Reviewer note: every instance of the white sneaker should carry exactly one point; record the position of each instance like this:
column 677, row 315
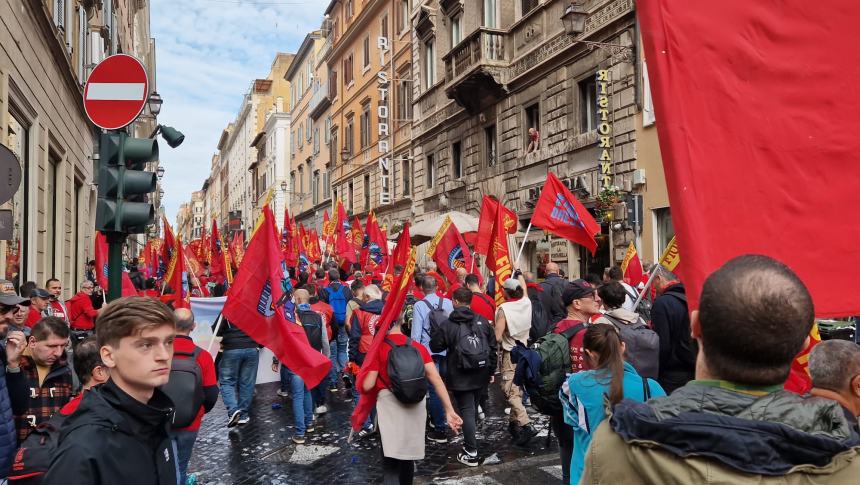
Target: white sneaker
column 507, row 410
column 244, row 420
column 283, row 393
column 321, row 409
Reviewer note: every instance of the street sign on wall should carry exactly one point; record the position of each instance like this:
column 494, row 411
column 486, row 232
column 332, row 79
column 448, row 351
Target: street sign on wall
column 116, row 92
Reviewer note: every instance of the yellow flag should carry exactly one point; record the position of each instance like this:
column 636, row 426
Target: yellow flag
column 670, row 258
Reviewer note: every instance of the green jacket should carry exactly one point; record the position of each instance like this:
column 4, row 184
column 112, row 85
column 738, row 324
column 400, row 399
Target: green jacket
column 703, row 434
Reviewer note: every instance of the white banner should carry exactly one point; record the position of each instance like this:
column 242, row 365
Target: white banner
column 206, row 311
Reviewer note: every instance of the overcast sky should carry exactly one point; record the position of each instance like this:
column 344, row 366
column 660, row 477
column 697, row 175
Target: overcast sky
column 207, row 54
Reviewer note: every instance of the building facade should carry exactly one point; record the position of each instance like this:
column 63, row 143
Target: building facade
column 488, row 71
column 51, row 217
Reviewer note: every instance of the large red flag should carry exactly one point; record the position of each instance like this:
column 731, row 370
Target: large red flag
column 101, row 252
column 449, row 250
column 560, row 213
column 314, row 250
column 288, row 245
column 375, row 255
column 500, row 257
column 217, row 268
column 390, row 313
column 237, row 248
column 256, row 303
column 343, row 246
column 175, row 276
column 327, row 231
column 398, row 258
column 489, row 206
column 357, row 234
column 729, row 104
column 631, row 267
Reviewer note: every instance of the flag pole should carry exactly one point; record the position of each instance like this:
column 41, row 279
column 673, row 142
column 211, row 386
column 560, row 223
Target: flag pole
column 523, row 245
column 191, row 275
column 654, row 271
column 215, row 333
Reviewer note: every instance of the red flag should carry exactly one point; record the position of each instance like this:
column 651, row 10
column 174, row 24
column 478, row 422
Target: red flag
column 500, row 256
column 489, row 206
column 195, row 271
column 398, row 258
column 237, row 248
column 343, row 246
column 449, row 250
column 375, row 255
column 288, row 245
column 256, row 303
column 390, row 313
column 631, row 267
column 101, row 252
column 798, row 158
column 314, row 251
column 217, row 269
column 357, row 234
column 175, row 275
column 560, row 213
column 327, row 230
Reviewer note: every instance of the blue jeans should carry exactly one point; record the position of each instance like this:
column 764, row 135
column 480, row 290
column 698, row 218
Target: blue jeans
column 434, row 404
column 184, row 442
column 339, row 353
column 370, row 417
column 303, row 411
column 285, row 378
column 238, row 370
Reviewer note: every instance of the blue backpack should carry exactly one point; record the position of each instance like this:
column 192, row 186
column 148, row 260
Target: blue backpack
column 337, row 299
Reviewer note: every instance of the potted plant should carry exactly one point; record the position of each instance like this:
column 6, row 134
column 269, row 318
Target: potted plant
column 606, row 201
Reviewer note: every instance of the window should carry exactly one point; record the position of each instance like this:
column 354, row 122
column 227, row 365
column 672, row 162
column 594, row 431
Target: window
column 456, row 29
column 347, row 134
column 348, row 9
column 456, row 161
column 532, row 113
column 316, row 138
column 333, row 147
column 404, row 95
column 349, row 196
column 292, row 144
column 365, row 125
column 347, row 69
column 328, row 130
column 491, row 16
column 407, row 176
column 332, row 84
column 431, row 171
column 367, row 192
column 292, row 183
column 301, row 179
column 327, row 180
column 81, row 48
column 315, row 187
column 301, row 135
column 383, row 26
column 529, row 5
column 18, row 140
column 648, row 117
column 429, row 64
column 588, row 105
column 309, row 130
column 490, row 144
column 310, row 176
column 665, row 231
column 403, row 19
column 366, row 52
column 60, row 14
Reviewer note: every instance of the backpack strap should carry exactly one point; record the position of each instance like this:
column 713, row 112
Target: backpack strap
column 193, row 354
column 570, row 332
column 197, row 351
column 485, row 298
column 646, row 389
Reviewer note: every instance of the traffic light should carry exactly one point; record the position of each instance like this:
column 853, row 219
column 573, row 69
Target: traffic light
column 123, row 184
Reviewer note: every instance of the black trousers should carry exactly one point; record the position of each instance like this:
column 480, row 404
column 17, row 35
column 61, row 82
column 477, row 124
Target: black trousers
column 467, row 407
column 397, row 472
column 564, row 433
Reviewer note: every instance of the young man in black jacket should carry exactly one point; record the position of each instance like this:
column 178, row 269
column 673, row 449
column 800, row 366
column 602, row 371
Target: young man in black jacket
column 465, row 327
column 119, row 433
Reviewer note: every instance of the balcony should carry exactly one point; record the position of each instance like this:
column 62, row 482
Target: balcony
column 320, row 101
column 474, row 70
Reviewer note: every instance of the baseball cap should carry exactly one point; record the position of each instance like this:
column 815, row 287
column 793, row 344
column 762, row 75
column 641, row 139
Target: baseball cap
column 576, row 290
column 40, row 293
column 12, row 300
column 511, row 284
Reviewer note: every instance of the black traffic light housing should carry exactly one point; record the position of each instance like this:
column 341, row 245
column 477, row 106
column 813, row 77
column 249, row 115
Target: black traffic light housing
column 123, row 184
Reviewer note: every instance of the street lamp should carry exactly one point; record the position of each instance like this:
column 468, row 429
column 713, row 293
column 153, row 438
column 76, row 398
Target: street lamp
column 574, row 18
column 154, row 103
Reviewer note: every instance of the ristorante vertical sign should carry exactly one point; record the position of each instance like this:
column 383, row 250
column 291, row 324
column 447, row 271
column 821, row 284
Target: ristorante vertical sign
column 604, row 128
column 383, row 129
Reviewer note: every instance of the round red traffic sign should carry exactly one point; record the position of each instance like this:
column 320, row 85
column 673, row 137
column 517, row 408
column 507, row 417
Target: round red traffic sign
column 116, row 92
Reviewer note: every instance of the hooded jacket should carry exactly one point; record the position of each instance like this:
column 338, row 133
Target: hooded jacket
column 550, row 297
column 446, row 337
column 670, row 318
column 362, row 329
column 112, row 438
column 81, row 312
column 707, row 434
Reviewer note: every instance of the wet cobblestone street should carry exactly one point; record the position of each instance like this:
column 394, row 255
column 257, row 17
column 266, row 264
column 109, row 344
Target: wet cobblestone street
column 261, row 452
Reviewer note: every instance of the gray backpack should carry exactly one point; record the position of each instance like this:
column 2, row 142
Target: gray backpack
column 643, row 345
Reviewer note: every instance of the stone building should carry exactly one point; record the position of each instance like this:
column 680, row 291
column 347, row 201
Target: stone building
column 488, row 70
column 370, row 78
column 48, row 50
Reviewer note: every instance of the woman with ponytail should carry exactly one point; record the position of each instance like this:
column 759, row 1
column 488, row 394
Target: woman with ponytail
column 586, row 394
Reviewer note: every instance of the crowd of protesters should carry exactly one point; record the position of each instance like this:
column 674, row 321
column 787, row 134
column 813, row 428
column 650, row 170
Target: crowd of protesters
column 677, row 397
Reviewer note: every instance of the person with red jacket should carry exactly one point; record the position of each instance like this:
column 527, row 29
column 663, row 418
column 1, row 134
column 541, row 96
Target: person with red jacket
column 82, row 315
column 184, row 438
column 441, row 284
column 458, row 283
column 364, row 323
column 39, row 301
column 482, row 304
column 56, row 307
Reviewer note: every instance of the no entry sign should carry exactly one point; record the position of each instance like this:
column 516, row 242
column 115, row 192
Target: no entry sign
column 116, row 92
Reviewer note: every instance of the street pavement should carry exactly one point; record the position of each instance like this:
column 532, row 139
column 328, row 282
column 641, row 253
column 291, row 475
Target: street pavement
column 261, row 452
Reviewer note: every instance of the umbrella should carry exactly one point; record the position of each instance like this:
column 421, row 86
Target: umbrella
column 424, row 231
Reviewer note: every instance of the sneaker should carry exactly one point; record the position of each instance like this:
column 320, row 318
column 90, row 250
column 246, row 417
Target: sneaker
column 191, row 479
column 234, row 418
column 347, row 381
column 321, row 409
column 481, row 415
column 332, row 388
column 508, row 411
column 365, row 432
column 527, row 432
column 437, row 436
column 310, row 429
column 299, row 440
column 244, row 420
column 468, row 459
column 283, row 393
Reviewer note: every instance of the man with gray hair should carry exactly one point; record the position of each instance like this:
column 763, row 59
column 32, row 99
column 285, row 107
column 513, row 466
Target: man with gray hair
column 184, row 348
column 835, row 369
column 670, row 318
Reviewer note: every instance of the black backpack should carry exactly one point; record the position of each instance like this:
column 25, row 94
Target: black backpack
column 541, row 324
column 408, row 311
column 406, row 372
column 473, row 350
column 436, row 316
column 36, row 452
column 185, row 387
column 312, row 323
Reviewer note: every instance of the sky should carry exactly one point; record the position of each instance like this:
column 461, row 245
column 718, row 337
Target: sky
column 207, row 54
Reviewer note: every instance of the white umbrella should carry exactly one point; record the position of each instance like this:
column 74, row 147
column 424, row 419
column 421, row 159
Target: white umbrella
column 425, row 230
